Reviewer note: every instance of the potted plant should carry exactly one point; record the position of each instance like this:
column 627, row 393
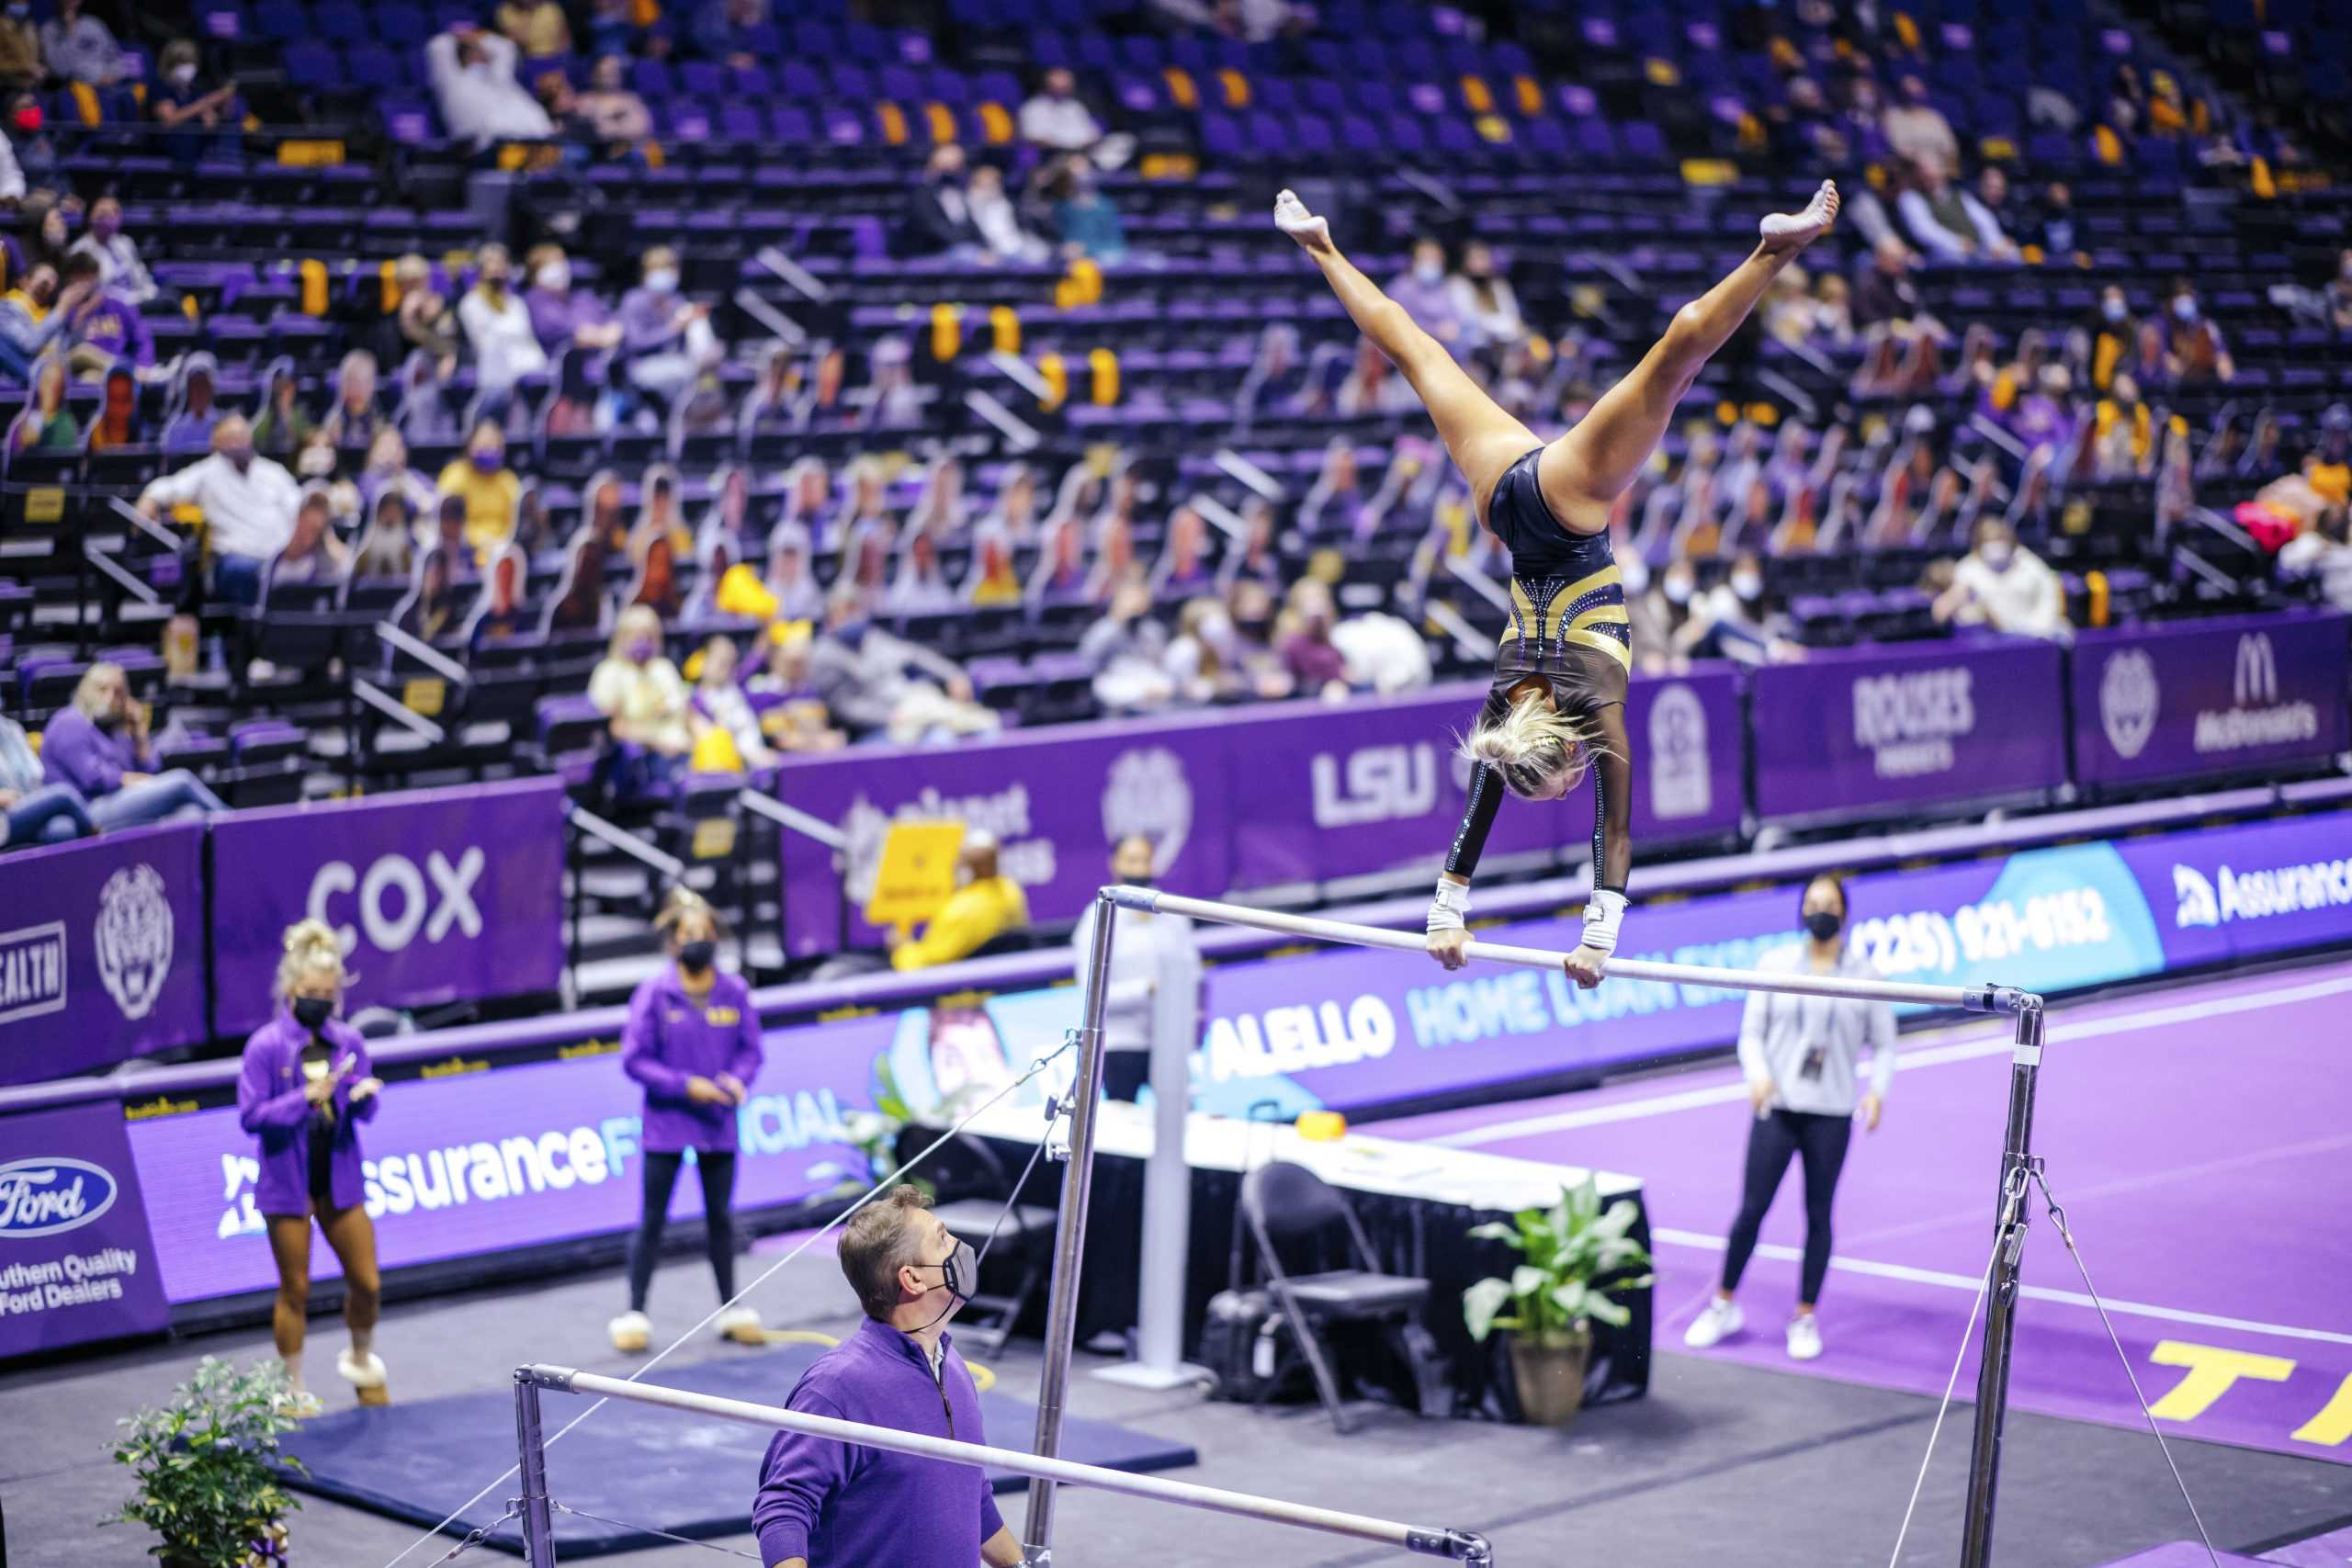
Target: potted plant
column 1573, row 1256
column 208, row 1466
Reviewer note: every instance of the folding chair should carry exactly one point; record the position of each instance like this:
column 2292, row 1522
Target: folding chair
column 1283, row 1203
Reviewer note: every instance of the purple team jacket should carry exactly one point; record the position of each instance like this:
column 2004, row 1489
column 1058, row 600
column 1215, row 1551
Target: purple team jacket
column 669, row 1039
column 73, row 750
column 271, row 1107
column 835, row 1504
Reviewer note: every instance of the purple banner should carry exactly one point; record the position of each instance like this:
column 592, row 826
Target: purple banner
column 2226, row 695
column 2223, row 894
column 101, row 952
column 1859, row 732
column 75, row 1259
column 1299, row 793
column 439, row 895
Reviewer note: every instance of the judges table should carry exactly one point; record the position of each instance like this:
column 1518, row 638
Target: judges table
column 1416, row 1203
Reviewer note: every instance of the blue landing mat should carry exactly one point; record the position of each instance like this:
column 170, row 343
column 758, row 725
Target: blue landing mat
column 685, row 1475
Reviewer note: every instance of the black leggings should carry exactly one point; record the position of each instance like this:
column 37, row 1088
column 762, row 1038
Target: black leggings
column 718, row 1221
column 1822, row 1141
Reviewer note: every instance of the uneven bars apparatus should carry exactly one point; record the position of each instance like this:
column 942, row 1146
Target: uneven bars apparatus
column 2000, row 1321
column 537, row 1508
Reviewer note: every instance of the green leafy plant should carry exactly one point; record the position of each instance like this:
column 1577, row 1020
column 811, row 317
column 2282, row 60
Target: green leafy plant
column 207, row 1463
column 1573, row 1256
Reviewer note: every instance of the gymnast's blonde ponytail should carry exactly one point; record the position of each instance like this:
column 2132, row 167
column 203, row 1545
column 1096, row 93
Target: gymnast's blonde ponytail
column 309, row 948
column 1530, row 745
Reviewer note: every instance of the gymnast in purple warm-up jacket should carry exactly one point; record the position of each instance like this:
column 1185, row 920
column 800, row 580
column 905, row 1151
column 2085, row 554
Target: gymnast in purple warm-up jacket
column 693, row 1041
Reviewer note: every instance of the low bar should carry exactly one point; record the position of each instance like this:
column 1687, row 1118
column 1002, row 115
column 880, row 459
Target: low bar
column 1970, row 999
column 1462, row 1546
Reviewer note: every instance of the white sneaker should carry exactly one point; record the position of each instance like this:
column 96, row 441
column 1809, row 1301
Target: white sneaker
column 1804, row 1337
column 1719, row 1321
column 632, row 1331
column 743, row 1326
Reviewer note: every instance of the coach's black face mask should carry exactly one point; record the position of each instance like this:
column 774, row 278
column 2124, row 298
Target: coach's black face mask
column 1823, row 924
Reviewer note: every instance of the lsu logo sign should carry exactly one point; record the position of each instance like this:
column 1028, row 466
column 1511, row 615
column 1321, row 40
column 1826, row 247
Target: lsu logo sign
column 1374, row 783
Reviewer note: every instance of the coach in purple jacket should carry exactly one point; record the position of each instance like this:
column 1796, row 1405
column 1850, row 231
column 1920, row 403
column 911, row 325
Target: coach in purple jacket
column 305, row 1088
column 693, row 1040
column 834, row 1505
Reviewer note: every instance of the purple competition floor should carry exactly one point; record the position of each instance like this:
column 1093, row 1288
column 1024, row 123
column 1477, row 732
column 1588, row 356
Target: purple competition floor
column 2200, row 1140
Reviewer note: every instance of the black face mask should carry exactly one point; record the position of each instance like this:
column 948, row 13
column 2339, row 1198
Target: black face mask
column 313, row 1012
column 1823, row 924
column 1143, row 881
column 695, row 957
column 960, row 1273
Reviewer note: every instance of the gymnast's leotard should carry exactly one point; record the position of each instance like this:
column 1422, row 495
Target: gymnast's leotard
column 1569, row 629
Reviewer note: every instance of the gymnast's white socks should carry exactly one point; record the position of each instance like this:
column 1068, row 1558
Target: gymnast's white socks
column 1793, row 229
column 293, row 1359
column 1293, row 219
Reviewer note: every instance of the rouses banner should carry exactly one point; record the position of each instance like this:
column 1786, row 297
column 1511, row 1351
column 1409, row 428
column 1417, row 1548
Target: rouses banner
column 2208, row 696
column 1348, row 1028
column 1303, row 791
column 519, row 1157
column 75, row 1261
column 1848, row 733
column 439, row 895
column 101, row 952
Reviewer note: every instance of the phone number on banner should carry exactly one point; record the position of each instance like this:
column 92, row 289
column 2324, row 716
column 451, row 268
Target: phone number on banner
column 1928, row 940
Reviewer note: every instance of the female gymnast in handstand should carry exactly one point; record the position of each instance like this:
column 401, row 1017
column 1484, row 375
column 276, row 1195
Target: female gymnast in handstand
column 1557, row 705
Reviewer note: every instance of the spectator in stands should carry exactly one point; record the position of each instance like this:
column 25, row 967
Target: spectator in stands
column 44, row 234
column 1372, row 387
column 29, row 146
column 611, row 107
column 537, row 28
column 2321, row 556
column 193, row 418
column 248, row 503
column 1276, row 385
column 34, row 315
column 498, row 325
column 1739, row 619
column 733, row 31
column 31, row 810
column 1054, row 118
column 2195, row 353
column 919, row 587
column 640, row 692
column 1084, row 220
column 314, row 554
column 1303, row 636
column 986, row 905
column 489, row 490
column 1212, row 662
column 939, row 215
column 993, row 582
column 1918, row 132
column 119, row 268
column 2002, row 585
column 668, row 341
column 728, row 738
column 1947, row 222
column 615, row 27
column 79, row 47
column 1884, row 290
column 20, row 62
column 180, row 100
column 355, row 420
column 426, row 321
column 1002, row 237
column 117, row 423
column 283, row 424
column 1484, row 302
column 473, row 78
column 890, row 400
column 2055, row 228
column 791, row 573
column 46, row 425
column 860, row 674
column 1127, row 652
column 1425, row 290
column 387, row 473
column 12, row 169
column 100, row 746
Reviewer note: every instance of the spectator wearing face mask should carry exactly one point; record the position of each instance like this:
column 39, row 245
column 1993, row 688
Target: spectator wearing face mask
column 79, row 47
column 1998, row 584
column 248, row 503
column 667, row 340
column 498, row 325
column 996, row 221
column 473, row 78
column 1128, row 652
column 1428, row 296
column 1483, row 299
column 1738, row 620
column 2115, row 335
column 489, row 490
column 562, row 316
column 939, row 215
column 2195, row 353
column 183, row 101
column 119, row 267
column 99, row 747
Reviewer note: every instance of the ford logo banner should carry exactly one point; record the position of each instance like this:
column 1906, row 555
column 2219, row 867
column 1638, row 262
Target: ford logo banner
column 43, row 1197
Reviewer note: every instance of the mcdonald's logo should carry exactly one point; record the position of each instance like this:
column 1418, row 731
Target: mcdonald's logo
column 2256, row 681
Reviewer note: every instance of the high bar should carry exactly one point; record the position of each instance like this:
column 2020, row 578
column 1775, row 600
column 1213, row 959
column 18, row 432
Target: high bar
column 1972, row 998
column 1432, row 1542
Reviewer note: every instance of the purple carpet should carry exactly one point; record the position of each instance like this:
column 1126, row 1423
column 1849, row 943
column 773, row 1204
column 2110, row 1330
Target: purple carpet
column 2199, row 1139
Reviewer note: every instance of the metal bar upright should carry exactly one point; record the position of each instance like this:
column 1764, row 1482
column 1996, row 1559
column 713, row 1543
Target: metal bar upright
column 2000, row 1310
column 1069, row 1235
column 538, row 1522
